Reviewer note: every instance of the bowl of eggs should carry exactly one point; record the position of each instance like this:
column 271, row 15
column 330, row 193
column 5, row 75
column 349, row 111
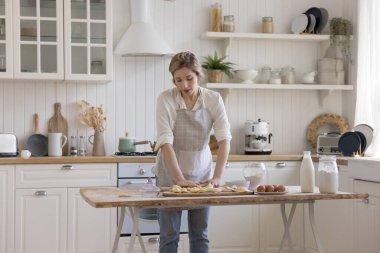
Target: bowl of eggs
column 246, row 75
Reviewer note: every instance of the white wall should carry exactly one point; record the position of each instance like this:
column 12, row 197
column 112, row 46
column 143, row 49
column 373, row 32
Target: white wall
column 130, row 99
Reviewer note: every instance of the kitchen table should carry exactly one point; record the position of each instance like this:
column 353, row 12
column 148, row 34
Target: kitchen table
column 123, row 198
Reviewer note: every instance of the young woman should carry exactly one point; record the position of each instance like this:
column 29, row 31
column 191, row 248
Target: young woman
column 185, row 116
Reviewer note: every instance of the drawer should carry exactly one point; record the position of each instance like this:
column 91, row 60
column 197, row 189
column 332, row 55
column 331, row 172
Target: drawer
column 66, row 175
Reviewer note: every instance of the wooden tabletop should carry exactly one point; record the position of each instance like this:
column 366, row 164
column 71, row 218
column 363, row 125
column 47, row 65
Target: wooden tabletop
column 118, row 197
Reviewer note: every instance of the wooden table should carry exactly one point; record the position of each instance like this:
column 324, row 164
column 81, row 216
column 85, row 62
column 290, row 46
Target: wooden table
column 118, row 197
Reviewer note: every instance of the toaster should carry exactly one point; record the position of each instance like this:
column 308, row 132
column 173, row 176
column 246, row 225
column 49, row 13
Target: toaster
column 327, row 144
column 8, row 145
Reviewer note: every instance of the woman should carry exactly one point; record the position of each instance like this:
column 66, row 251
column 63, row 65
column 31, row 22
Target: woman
column 185, row 115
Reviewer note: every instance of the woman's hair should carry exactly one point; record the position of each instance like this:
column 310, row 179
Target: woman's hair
column 186, row 60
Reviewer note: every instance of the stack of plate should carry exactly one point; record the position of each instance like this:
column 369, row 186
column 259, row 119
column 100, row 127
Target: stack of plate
column 313, row 21
column 356, row 141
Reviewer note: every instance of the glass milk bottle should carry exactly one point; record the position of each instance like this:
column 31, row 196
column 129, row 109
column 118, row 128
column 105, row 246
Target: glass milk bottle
column 307, row 174
column 328, row 176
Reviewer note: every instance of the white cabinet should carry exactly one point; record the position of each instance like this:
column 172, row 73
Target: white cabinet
column 367, row 218
column 334, row 220
column 51, row 216
column 6, row 208
column 56, row 39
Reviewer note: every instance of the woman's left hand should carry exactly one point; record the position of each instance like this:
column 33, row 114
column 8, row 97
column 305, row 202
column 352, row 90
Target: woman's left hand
column 214, row 181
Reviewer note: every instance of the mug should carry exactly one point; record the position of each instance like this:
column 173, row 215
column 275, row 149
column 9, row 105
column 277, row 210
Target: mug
column 56, row 141
column 25, row 154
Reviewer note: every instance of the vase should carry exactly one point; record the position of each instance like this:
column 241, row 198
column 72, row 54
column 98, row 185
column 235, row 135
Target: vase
column 215, row 76
column 98, row 148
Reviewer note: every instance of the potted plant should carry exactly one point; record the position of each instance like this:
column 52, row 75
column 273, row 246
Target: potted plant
column 217, row 66
column 340, row 36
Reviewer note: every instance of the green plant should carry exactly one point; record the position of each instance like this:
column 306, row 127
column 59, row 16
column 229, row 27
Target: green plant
column 214, row 62
column 340, row 35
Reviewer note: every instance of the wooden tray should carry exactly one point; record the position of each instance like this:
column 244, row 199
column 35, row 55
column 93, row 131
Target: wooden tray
column 204, row 194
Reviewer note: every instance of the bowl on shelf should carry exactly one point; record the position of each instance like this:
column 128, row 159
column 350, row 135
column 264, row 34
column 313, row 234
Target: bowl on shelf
column 246, row 75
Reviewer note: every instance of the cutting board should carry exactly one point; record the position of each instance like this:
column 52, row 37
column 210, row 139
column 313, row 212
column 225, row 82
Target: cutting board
column 58, row 124
column 204, row 194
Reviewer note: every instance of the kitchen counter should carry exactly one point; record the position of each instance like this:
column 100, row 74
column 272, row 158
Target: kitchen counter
column 148, row 159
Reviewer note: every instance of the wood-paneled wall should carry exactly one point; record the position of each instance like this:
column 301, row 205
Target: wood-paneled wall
column 130, row 99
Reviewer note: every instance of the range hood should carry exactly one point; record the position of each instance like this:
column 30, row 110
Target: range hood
column 141, row 39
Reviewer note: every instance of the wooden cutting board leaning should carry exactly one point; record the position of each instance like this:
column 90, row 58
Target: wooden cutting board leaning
column 58, row 124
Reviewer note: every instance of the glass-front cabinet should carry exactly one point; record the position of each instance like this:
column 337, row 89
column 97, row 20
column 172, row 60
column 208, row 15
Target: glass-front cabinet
column 38, row 39
column 6, row 49
column 88, row 43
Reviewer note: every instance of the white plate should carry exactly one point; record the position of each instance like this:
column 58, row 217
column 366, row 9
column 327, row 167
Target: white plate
column 271, row 193
column 367, row 130
column 299, row 24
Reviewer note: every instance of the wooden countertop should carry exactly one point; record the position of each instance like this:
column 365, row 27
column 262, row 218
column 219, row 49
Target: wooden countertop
column 117, row 197
column 147, row 159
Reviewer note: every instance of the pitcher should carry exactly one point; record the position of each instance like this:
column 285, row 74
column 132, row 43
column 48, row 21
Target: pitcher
column 56, row 141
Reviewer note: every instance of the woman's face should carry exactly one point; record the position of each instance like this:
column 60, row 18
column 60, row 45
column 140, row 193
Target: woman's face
column 186, row 81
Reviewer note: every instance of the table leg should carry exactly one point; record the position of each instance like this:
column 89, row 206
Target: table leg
column 313, row 227
column 287, row 222
column 135, row 211
column 119, row 226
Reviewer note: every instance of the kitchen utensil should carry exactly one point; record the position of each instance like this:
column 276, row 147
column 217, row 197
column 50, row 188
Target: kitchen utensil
column 37, row 143
column 367, row 131
column 127, row 144
column 8, row 145
column 58, row 124
column 299, row 24
column 349, row 143
column 56, row 141
column 318, row 17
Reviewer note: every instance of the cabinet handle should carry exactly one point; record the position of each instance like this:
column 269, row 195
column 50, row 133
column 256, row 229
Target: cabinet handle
column 281, row 165
column 67, row 167
column 153, row 240
column 40, row 193
column 227, row 165
column 365, row 201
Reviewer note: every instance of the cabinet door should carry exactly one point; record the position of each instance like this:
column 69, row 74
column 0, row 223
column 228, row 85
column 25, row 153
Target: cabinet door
column 38, row 39
column 88, row 40
column 334, row 220
column 234, row 228
column 6, row 47
column 41, row 220
column 367, row 218
column 6, row 208
column 89, row 229
column 271, row 224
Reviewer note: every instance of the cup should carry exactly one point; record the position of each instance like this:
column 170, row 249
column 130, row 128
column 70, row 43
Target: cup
column 56, row 141
column 25, row 154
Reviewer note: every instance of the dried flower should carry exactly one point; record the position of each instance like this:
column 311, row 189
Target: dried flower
column 92, row 116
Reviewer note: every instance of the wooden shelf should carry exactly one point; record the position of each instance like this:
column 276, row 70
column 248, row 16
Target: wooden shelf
column 265, row 36
column 279, row 86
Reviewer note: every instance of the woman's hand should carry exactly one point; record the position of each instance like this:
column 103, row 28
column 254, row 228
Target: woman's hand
column 186, row 183
column 214, row 181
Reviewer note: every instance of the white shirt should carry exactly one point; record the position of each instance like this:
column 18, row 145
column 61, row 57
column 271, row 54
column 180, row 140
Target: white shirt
column 170, row 101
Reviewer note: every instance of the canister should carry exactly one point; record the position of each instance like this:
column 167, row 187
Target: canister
column 267, row 25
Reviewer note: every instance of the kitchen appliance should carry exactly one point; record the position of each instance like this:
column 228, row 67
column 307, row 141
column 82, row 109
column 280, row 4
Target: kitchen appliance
column 257, row 137
column 327, row 144
column 8, row 145
column 137, row 176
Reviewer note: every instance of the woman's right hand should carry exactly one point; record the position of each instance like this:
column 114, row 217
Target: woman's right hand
column 186, row 183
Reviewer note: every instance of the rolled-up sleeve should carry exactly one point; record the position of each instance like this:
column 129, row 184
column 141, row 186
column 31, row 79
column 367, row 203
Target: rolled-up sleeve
column 164, row 120
column 222, row 128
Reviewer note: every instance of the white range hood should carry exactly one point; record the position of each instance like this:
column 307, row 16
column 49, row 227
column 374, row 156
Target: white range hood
column 141, row 39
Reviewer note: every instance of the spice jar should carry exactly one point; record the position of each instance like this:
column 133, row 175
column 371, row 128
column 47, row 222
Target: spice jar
column 265, row 74
column 216, row 17
column 275, row 77
column 229, row 23
column 328, row 176
column 267, row 25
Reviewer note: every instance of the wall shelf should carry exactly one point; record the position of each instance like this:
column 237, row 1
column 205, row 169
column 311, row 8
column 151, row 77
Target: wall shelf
column 279, row 86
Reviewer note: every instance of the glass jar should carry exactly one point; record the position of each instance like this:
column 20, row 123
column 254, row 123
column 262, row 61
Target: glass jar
column 265, row 74
column 267, row 25
column 288, row 75
column 73, row 145
column 229, row 23
column 275, row 77
column 254, row 172
column 82, row 146
column 216, row 17
column 328, row 176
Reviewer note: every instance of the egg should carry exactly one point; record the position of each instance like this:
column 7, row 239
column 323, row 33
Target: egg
column 261, row 188
column 281, row 188
column 269, row 188
column 275, row 187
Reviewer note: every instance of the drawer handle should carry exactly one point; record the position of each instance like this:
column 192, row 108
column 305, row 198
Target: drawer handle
column 227, row 165
column 40, row 193
column 281, row 165
column 365, row 201
column 153, row 240
column 67, row 167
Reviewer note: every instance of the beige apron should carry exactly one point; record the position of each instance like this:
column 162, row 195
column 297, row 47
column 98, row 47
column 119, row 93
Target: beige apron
column 191, row 137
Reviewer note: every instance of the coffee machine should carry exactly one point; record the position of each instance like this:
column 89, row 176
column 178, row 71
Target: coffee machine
column 257, row 137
